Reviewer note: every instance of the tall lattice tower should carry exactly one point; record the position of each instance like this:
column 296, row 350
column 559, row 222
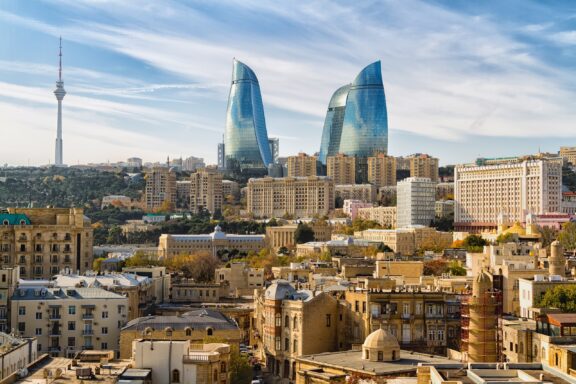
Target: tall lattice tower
column 59, row 92
column 480, row 322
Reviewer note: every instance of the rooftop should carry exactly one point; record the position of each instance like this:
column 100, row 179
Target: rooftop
column 43, row 293
column 196, row 319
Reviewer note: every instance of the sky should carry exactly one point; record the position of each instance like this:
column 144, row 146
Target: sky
column 463, row 79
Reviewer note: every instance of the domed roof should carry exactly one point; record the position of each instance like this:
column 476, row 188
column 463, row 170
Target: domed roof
column 380, row 339
column 482, row 283
column 279, row 290
column 516, row 229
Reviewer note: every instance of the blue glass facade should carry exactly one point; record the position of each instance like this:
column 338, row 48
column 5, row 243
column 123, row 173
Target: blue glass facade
column 245, row 137
column 365, row 126
column 330, row 145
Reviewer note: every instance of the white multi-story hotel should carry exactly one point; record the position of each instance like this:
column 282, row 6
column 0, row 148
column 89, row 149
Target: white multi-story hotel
column 512, row 187
column 416, row 199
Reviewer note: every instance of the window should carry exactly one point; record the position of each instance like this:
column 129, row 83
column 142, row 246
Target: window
column 175, row 376
column 38, row 315
column 328, row 320
column 105, row 314
column 295, row 346
column 209, row 332
column 406, row 309
column 38, row 331
column 356, row 306
column 104, row 346
column 21, row 311
column 278, row 319
column 71, row 325
column 71, row 309
column 440, row 334
column 278, row 343
column 286, row 321
column 223, row 367
column 71, row 341
column 295, row 323
column 188, row 332
column 286, row 344
column 431, row 334
column 22, row 327
column 105, row 331
column 380, row 356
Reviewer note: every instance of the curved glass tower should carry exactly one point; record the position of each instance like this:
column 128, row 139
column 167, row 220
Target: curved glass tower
column 365, row 126
column 332, row 131
column 245, row 137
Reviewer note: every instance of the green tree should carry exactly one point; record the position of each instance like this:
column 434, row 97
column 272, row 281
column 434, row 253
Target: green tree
column 547, row 235
column 562, row 297
column 504, row 238
column 303, row 234
column 474, row 243
column 240, row 369
column 97, row 264
column 115, row 235
column 455, row 269
column 435, row 267
column 384, row 248
column 567, row 236
column 141, row 259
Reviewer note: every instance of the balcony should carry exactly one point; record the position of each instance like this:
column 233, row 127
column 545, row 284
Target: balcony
column 87, row 316
column 55, row 333
column 87, row 347
column 54, row 317
column 54, row 349
column 87, row 332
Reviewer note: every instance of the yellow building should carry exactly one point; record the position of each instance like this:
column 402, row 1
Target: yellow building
column 568, row 154
column 283, row 236
column 160, row 191
column 239, row 279
column 174, row 245
column 385, row 216
column 196, row 326
column 301, row 165
column 423, row 165
column 292, row 196
column 206, row 191
column 362, row 192
column 43, row 241
column 341, row 168
column 382, row 170
column 407, row 241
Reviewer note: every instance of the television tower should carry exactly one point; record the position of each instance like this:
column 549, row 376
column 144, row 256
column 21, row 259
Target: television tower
column 59, row 92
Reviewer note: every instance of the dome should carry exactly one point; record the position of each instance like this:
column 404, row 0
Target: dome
column 279, row 290
column 381, row 346
column 218, row 234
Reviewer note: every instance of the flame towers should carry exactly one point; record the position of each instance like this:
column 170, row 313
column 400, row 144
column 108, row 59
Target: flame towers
column 59, row 92
column 246, row 139
column 356, row 122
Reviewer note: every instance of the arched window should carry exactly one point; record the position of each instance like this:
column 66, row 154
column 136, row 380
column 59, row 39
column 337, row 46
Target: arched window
column 168, row 331
column 556, row 359
column 209, row 331
column 286, row 321
column 295, row 323
column 222, row 367
column 175, row 376
column 535, row 351
column 188, row 331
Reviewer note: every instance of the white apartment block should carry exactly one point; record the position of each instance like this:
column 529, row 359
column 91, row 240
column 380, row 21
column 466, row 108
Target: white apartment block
column 68, row 320
column 293, row 196
column 416, row 199
column 512, row 187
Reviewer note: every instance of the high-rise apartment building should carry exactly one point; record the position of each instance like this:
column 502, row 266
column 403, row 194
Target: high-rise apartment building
column 301, row 165
column 511, row 187
column 382, row 170
column 206, row 191
column 160, row 192
column 342, row 169
column 183, row 194
column 416, row 199
column 569, row 154
column 245, row 138
column 193, row 163
column 423, row 165
column 221, row 156
column 43, row 241
column 292, row 196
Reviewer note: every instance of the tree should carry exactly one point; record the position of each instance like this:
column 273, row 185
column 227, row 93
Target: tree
column 384, row 248
column 562, row 297
column 283, row 251
column 504, row 238
column 240, row 369
column 567, row 236
column 435, row 267
column 115, row 235
column 303, row 234
column 456, row 269
column 141, row 259
column 547, row 235
column 97, row 264
column 200, row 266
column 474, row 243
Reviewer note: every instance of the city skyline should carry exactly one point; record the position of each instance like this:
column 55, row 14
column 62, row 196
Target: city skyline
column 465, row 80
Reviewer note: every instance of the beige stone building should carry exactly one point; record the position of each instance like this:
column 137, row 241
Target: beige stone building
column 174, row 245
column 301, row 165
column 189, row 291
column 385, row 216
column 179, row 361
column 230, row 188
column 16, row 353
column 421, row 320
column 160, row 191
column 362, row 192
column 382, row 170
column 410, row 271
column 293, row 196
column 197, row 326
column 341, row 168
column 206, row 191
column 283, row 236
column 568, row 154
column 407, row 241
column 43, row 241
column 423, row 165
column 444, row 208
column 291, row 323
column 68, row 320
column 239, row 279
column 8, row 282
column 183, row 194
column 161, row 281
column 509, row 187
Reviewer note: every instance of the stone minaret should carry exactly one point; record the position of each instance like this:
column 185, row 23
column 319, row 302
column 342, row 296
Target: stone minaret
column 556, row 261
column 482, row 346
column 59, row 92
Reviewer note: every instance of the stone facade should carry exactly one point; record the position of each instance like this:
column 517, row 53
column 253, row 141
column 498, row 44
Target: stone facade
column 385, row 216
column 301, row 165
column 160, row 191
column 206, row 191
column 423, row 165
column 363, row 192
column 341, row 168
column 382, row 170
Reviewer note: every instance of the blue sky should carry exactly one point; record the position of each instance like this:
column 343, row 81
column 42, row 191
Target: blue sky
column 462, row 78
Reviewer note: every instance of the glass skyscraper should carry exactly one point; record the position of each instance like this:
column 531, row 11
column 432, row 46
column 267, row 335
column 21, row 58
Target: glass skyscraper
column 357, row 121
column 245, row 137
